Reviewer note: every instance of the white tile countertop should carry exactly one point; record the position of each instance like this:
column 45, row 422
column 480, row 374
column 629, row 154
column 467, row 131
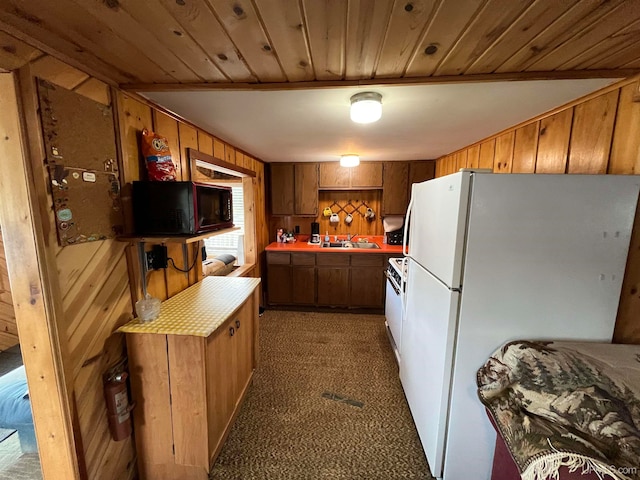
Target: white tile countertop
column 198, row 310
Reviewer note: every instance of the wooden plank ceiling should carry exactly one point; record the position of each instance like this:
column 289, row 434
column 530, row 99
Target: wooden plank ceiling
column 277, row 41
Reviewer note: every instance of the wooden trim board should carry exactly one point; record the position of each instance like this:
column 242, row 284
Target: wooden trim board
column 34, row 282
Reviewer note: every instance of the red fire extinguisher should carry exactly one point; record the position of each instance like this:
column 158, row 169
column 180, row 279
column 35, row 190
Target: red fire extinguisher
column 118, row 407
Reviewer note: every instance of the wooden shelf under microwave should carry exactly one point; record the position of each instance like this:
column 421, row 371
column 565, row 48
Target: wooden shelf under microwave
column 174, row 238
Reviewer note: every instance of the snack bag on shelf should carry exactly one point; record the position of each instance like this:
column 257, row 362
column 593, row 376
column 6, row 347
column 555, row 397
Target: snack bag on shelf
column 157, row 156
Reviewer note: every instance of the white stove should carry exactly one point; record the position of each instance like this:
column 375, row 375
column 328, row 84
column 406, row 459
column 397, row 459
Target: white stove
column 394, row 307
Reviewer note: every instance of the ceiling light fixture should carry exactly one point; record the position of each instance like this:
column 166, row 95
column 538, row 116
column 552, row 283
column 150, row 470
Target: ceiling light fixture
column 366, row 107
column 349, row 160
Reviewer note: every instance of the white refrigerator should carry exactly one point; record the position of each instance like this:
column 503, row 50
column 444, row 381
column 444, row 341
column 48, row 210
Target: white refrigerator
column 494, row 258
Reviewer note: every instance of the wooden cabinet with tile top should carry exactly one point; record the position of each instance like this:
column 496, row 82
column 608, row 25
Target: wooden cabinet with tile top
column 190, row 369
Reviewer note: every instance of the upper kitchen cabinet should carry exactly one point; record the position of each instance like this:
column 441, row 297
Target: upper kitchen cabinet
column 395, row 196
column 294, row 189
column 421, row 171
column 398, row 178
column 366, row 175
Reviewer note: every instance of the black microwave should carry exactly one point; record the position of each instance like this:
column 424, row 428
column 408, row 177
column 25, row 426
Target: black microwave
column 180, row 208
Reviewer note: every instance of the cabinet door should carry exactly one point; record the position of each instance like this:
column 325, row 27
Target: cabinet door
column 279, row 284
column 333, row 286
column 367, row 175
column 282, row 189
column 220, row 386
column 242, row 348
column 395, row 195
column 366, row 287
column 304, row 285
column 421, row 171
column 332, row 175
column 306, row 189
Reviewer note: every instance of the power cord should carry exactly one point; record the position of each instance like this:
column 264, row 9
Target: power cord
column 195, row 260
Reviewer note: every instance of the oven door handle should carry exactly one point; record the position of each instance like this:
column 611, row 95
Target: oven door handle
column 392, row 282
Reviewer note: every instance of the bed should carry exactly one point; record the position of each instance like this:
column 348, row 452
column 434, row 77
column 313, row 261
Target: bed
column 564, row 410
column 15, row 408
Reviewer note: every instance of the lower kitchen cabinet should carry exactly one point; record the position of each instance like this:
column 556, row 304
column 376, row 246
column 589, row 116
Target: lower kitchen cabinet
column 326, row 280
column 304, row 285
column 333, row 286
column 366, row 288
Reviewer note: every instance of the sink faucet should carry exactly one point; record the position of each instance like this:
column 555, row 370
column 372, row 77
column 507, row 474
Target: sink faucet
column 351, row 237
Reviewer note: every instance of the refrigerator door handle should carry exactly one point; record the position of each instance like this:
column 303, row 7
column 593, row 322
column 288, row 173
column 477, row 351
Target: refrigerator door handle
column 403, row 285
column 405, row 237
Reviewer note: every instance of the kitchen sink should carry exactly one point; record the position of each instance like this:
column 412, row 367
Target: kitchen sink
column 350, row 245
column 365, row 245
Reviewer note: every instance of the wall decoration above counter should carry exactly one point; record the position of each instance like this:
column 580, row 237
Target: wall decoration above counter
column 81, row 157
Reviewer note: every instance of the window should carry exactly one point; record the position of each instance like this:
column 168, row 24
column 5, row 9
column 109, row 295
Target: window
column 232, row 242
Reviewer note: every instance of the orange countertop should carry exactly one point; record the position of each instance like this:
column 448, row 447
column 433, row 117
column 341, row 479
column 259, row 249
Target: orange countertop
column 302, row 245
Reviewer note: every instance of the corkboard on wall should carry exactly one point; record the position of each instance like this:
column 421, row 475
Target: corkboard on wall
column 80, row 144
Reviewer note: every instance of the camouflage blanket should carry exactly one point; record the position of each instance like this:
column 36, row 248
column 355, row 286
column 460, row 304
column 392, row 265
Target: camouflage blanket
column 562, row 403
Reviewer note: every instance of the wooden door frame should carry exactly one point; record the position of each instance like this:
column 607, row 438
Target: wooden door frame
column 34, row 281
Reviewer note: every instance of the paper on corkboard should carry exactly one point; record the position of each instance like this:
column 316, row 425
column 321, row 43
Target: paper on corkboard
column 80, row 145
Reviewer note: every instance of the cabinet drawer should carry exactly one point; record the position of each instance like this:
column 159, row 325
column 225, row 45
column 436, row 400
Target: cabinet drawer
column 367, row 260
column 278, row 258
column 303, row 258
column 333, row 259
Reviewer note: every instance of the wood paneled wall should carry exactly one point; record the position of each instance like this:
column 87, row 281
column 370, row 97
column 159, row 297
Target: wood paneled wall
column 8, row 328
column 135, row 114
column 93, row 279
column 326, row 198
column 599, row 134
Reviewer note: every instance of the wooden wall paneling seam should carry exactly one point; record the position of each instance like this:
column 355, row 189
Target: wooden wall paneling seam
column 72, row 22
column 591, row 134
column 605, row 25
column 553, row 142
column 503, row 159
column 625, row 147
column 606, row 48
column 86, row 342
column 473, row 156
column 166, row 126
column 247, row 34
column 627, row 329
column 164, row 27
column 406, row 27
column 15, row 53
column 197, row 18
column 525, row 149
column 367, row 23
column 285, row 26
column 486, row 28
column 621, row 56
column 563, row 28
column 90, row 279
column 487, row 154
column 34, row 286
column 205, row 142
column 446, row 27
column 326, row 24
column 539, row 15
column 56, row 46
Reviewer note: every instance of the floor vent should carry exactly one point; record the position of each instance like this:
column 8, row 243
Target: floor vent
column 340, row 398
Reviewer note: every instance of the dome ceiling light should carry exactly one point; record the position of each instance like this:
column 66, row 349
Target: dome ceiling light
column 349, row 160
column 366, row 107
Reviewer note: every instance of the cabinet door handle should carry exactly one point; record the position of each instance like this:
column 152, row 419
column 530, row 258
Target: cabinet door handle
column 238, row 324
column 232, row 331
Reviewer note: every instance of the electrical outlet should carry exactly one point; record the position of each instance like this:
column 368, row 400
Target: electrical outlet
column 157, row 257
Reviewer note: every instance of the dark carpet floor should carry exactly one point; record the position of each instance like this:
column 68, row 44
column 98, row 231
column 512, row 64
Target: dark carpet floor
column 325, row 403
